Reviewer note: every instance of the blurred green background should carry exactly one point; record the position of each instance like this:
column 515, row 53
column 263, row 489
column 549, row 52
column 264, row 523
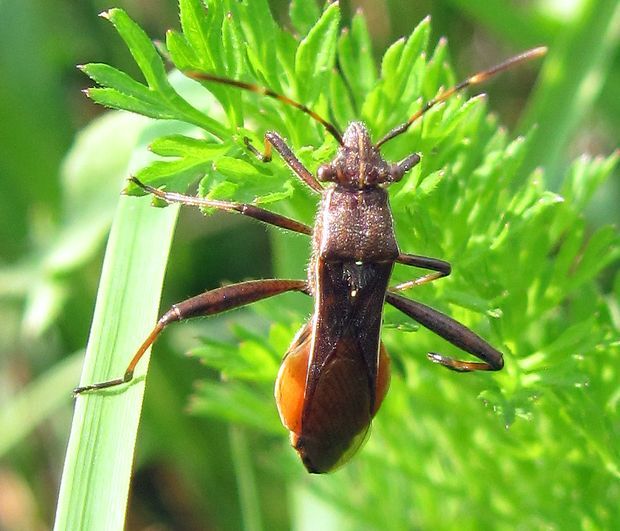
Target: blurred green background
column 53, row 229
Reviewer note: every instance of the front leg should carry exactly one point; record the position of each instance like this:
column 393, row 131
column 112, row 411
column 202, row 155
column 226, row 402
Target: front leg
column 274, row 139
column 209, row 303
column 452, row 331
column 245, row 209
column 441, row 268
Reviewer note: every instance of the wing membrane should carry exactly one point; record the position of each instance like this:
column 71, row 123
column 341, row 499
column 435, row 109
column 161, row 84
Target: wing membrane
column 340, row 389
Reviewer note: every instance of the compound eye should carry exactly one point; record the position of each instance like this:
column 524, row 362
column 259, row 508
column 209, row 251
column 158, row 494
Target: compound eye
column 326, row 173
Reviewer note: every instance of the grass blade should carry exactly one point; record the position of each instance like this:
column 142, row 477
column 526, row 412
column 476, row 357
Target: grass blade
column 95, row 482
column 37, row 402
column 571, row 80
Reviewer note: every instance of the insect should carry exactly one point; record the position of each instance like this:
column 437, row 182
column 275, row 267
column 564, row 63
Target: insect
column 336, row 372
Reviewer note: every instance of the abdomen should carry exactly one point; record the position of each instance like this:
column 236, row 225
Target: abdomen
column 336, row 373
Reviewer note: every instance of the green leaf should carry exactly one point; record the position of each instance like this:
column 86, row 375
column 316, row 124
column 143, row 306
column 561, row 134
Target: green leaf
column 316, row 54
column 437, row 73
column 304, row 15
column 341, row 107
column 232, row 42
column 236, row 403
column 90, row 180
column 390, row 61
column 602, row 250
column 261, row 35
column 114, row 99
column 195, row 158
column 141, row 48
column 181, row 53
column 237, row 169
column 249, row 358
column 186, row 146
column 585, row 177
column 356, row 59
column 176, row 175
column 235, row 179
column 198, row 31
column 109, row 76
column 169, row 104
column 404, row 80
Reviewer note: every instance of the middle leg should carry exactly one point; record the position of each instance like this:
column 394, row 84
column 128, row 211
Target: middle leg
column 441, row 268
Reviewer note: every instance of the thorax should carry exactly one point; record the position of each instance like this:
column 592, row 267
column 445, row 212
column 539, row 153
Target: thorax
column 354, row 226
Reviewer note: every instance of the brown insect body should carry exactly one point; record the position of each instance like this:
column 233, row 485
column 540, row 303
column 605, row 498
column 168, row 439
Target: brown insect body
column 336, row 371
column 354, row 250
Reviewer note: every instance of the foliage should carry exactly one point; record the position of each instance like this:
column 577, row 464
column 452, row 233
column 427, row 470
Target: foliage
column 531, row 446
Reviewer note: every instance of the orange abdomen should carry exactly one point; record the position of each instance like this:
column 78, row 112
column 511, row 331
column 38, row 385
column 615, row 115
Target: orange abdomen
column 329, row 426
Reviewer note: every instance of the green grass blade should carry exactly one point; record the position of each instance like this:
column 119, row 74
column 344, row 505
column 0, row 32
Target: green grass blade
column 95, row 482
column 246, row 480
column 513, row 23
column 37, row 402
column 570, row 82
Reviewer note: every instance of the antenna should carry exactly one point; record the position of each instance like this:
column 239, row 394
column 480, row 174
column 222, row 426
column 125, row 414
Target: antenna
column 480, row 77
column 202, row 76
